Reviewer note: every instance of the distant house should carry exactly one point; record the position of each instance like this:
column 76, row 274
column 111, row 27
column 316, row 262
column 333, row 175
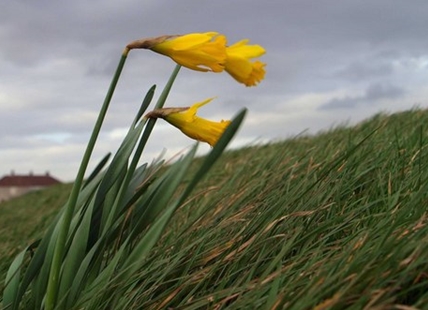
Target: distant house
column 14, row 185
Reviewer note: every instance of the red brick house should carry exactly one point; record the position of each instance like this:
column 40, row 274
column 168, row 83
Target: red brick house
column 14, row 185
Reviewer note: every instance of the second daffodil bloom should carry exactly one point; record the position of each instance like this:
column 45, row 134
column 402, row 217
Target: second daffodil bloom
column 196, row 51
column 192, row 125
column 239, row 66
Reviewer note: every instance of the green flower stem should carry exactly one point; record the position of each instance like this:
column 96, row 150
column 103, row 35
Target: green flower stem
column 53, row 282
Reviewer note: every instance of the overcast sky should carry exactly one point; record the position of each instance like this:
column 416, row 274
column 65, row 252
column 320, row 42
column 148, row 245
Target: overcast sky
column 328, row 63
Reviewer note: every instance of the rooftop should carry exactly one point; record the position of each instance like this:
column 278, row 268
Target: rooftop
column 28, row 180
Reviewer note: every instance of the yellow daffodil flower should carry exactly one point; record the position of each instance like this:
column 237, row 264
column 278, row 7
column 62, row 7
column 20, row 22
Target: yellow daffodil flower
column 190, row 124
column 196, row 51
column 239, row 66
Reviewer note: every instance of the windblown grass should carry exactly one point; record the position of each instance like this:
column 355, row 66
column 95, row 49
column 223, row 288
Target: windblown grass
column 334, row 221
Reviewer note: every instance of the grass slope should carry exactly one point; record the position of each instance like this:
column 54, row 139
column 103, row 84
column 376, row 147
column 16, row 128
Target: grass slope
column 334, row 221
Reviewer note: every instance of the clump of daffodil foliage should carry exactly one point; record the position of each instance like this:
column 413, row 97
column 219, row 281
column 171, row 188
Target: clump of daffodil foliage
column 116, row 215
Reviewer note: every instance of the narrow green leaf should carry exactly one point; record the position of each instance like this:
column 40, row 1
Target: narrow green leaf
column 75, row 254
column 114, row 173
column 97, row 169
column 145, row 104
column 136, row 257
column 10, row 293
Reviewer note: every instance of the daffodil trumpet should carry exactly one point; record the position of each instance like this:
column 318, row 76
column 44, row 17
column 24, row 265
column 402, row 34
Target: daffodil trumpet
column 193, row 126
column 240, row 66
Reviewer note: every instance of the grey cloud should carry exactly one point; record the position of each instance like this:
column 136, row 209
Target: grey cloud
column 383, row 91
column 358, row 71
column 372, row 94
column 58, row 58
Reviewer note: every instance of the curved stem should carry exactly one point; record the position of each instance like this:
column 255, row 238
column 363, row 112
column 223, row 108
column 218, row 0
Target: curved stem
column 53, row 281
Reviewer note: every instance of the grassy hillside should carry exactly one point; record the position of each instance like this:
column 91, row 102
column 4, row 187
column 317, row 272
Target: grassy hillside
column 24, row 219
column 333, row 221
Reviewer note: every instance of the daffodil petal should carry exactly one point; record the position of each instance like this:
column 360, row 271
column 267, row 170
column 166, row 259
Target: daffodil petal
column 196, row 51
column 200, row 104
column 240, row 66
column 196, row 127
column 191, row 40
